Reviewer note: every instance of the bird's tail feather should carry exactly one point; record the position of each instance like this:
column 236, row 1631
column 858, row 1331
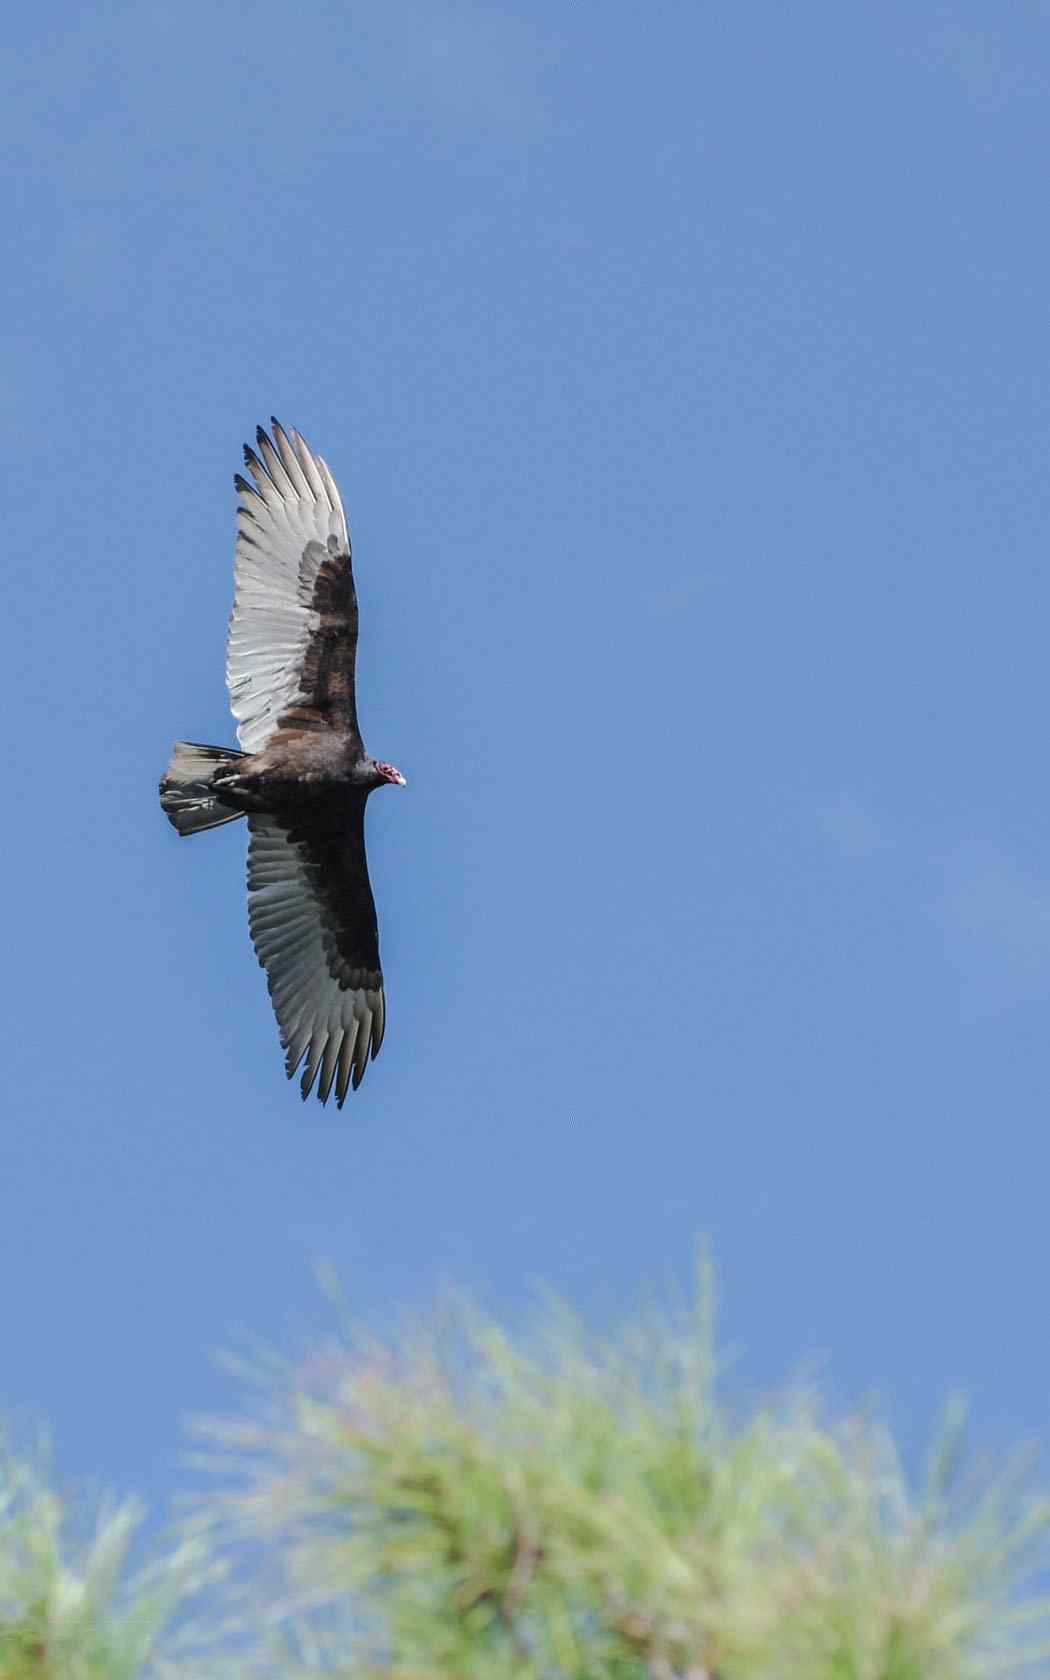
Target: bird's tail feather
column 186, row 792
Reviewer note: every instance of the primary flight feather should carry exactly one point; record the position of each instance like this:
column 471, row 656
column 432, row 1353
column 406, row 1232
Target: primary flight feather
column 303, row 777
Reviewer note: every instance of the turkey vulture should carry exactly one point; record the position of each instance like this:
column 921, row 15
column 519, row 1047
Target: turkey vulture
column 303, row 776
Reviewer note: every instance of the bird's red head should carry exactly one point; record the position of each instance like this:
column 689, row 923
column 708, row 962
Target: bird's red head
column 389, row 773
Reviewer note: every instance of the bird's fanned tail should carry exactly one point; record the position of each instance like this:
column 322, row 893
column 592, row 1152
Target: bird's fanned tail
column 186, row 793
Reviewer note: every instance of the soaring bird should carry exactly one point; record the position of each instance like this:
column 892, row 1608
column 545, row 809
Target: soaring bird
column 303, row 776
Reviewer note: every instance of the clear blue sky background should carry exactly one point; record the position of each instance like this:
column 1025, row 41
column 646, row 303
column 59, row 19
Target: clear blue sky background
column 685, row 369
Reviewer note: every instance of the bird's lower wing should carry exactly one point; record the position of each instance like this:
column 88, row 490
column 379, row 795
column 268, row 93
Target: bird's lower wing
column 313, row 925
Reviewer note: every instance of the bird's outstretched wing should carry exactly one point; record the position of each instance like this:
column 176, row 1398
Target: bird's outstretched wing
column 313, row 924
column 293, row 630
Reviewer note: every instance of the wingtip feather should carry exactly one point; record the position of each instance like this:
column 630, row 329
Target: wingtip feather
column 328, row 1066
column 313, row 1062
column 379, row 1023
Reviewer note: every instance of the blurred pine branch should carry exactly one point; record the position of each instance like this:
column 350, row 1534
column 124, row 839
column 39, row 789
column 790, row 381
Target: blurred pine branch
column 464, row 1506
column 460, row 1504
column 72, row 1607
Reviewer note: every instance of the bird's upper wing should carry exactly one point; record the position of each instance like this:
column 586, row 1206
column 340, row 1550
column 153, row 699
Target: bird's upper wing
column 293, row 629
column 313, row 924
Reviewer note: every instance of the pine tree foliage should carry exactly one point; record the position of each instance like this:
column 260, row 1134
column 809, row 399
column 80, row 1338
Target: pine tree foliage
column 464, row 1506
column 71, row 1605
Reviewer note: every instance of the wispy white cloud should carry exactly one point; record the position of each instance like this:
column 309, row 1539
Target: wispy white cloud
column 996, row 902
column 675, row 598
column 990, row 68
column 854, row 826
column 991, row 908
column 467, row 62
column 996, row 917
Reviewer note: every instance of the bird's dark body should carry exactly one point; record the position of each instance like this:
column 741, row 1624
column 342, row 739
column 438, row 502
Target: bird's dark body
column 302, row 766
column 305, row 781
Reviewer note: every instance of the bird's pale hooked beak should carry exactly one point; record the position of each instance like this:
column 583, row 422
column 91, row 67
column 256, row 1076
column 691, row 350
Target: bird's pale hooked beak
column 398, row 779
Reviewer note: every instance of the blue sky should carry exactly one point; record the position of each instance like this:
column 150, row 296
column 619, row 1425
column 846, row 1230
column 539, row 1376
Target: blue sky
column 684, row 369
